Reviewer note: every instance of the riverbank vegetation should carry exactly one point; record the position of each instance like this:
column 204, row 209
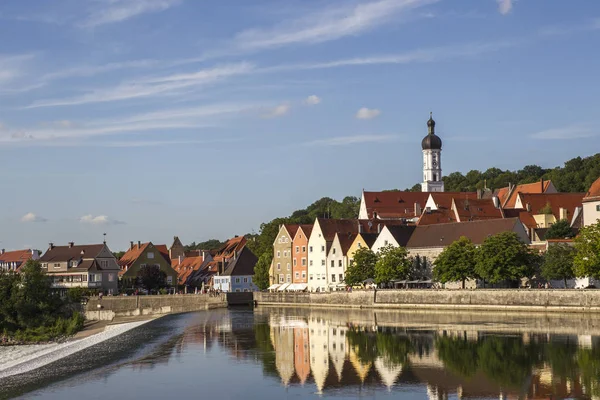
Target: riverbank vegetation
column 30, row 311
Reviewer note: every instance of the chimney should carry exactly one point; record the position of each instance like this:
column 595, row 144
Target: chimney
column 131, row 245
column 2, row 251
column 562, row 213
column 378, row 228
column 360, row 228
column 71, row 244
column 496, row 201
column 418, row 210
column 139, row 244
column 528, row 207
column 50, row 245
column 180, row 259
column 479, row 194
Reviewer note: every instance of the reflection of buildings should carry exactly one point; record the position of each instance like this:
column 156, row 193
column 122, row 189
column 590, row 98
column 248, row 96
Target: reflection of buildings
column 282, row 337
column 337, row 348
column 319, row 354
column 362, row 368
column 301, row 353
column 388, row 371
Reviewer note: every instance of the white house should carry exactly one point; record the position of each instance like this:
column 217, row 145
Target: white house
column 396, row 235
column 591, row 204
column 337, row 260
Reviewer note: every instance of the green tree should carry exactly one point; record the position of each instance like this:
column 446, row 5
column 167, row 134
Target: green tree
column 261, row 270
column 152, row 277
column 362, row 267
column 558, row 262
column 393, row 263
column 504, row 257
column 560, row 230
column 456, row 262
column 587, row 256
column 459, row 355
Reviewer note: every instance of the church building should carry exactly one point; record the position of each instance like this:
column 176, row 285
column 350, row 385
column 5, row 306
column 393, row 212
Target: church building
column 432, row 160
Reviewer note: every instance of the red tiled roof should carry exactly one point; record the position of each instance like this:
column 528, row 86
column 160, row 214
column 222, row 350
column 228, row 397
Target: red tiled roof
column 477, row 209
column 444, row 199
column 346, row 241
column 570, row 201
column 525, row 217
column 594, row 193
column 188, row 266
column 292, row 229
column 306, row 228
column 330, row 227
column 439, row 216
column 132, row 254
column 15, row 256
column 394, row 204
column 510, row 198
column 162, row 248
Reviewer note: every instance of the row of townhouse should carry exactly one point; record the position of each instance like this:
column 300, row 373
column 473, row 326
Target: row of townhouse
column 94, row 266
column 315, row 257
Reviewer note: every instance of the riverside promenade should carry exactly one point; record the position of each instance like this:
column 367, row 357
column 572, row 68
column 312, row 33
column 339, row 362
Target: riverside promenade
column 518, row 300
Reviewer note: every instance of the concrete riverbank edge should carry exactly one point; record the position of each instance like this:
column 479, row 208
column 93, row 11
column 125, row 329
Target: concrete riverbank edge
column 515, row 300
column 20, row 359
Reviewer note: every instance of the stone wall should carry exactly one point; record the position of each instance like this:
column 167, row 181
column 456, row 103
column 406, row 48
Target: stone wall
column 480, row 299
column 120, row 306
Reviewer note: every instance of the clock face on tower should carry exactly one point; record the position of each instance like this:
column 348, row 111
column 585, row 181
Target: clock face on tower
column 434, row 164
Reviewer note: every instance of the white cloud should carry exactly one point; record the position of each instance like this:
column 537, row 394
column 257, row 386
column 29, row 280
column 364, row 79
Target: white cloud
column 112, row 11
column 329, row 24
column 312, row 100
column 504, row 6
column 150, row 87
column 367, row 113
column 565, row 133
column 99, row 220
column 11, row 68
column 278, row 111
column 91, row 70
column 31, row 217
column 348, row 140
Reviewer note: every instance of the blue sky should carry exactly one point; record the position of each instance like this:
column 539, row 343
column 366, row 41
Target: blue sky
column 146, row 119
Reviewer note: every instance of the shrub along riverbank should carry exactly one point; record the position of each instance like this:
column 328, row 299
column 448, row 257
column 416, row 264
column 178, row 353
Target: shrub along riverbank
column 31, row 312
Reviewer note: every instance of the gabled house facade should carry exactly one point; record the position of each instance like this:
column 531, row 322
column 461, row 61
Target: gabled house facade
column 14, row 260
column 362, row 240
column 591, row 204
column 239, row 273
column 88, row 266
column 337, row 261
column 395, row 235
column 142, row 255
column 300, row 254
column 282, row 254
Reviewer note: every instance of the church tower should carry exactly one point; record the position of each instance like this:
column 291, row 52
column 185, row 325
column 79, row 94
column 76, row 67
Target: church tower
column 432, row 160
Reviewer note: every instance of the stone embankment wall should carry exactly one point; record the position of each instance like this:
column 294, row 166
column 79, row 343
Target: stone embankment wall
column 479, row 299
column 110, row 307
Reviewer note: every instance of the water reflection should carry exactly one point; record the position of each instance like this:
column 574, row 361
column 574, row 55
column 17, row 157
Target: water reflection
column 342, row 354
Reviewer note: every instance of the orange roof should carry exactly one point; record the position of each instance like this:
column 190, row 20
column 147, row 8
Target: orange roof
column 346, row 241
column 187, row 266
column 292, row 229
column 570, row 201
column 594, row 193
column 330, row 227
column 444, row 199
column 509, row 197
column 164, row 251
column 439, row 216
column 306, row 228
column 525, row 217
column 15, row 256
column 393, row 204
column 134, row 252
column 477, row 209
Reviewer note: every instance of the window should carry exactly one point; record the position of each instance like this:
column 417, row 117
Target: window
column 303, row 262
column 278, row 267
column 237, row 280
column 237, row 290
column 385, row 242
column 111, row 277
column 598, row 207
column 288, row 265
column 332, row 263
column 45, row 265
column 310, row 249
column 341, row 277
column 304, row 249
column 303, row 274
column 287, row 240
column 280, row 240
column 289, row 278
column 250, row 279
column 339, row 263
column 281, row 278
column 297, row 275
column 311, row 277
column 323, row 276
column 322, row 263
column 332, row 277
column 435, row 177
column 359, row 245
column 295, row 262
column 169, row 280
column 57, row 265
column 311, row 263
column 297, row 249
column 150, row 254
column 245, row 280
column 278, row 254
column 322, row 248
column 333, row 251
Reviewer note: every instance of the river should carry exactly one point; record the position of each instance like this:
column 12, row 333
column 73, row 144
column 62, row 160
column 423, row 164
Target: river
column 274, row 353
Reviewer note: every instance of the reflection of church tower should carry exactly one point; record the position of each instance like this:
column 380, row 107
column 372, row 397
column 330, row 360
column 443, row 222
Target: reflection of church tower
column 432, row 160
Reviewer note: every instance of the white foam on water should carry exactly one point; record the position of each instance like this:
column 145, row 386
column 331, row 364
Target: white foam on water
column 20, row 359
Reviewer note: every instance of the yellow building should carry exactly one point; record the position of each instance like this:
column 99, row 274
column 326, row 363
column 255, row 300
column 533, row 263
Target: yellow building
column 361, row 240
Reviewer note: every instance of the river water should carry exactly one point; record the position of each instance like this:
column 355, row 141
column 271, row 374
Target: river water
column 274, row 353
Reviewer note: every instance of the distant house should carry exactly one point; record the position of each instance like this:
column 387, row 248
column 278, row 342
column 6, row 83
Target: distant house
column 186, row 266
column 300, row 254
column 395, row 235
column 177, row 250
column 392, row 205
column 220, row 260
column 142, row 255
column 508, row 195
column 362, row 240
column 13, row 260
column 282, row 253
column 239, row 273
column 90, row 266
column 337, row 260
column 591, row 204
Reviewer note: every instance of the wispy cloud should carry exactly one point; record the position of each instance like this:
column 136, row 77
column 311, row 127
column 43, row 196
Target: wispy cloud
column 278, row 111
column 112, row 11
column 31, row 217
column 348, row 140
column 504, row 6
column 329, row 24
column 312, row 100
column 11, row 67
column 565, row 133
column 367, row 113
column 148, row 87
column 99, row 220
